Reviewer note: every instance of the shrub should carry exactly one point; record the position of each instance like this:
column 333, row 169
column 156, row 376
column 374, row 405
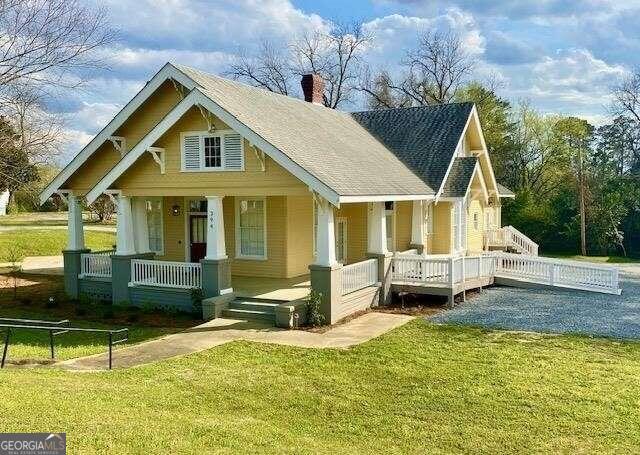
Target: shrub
column 51, row 302
column 108, row 313
column 196, row 302
column 314, row 317
column 26, row 301
column 134, row 317
column 81, row 311
column 148, row 307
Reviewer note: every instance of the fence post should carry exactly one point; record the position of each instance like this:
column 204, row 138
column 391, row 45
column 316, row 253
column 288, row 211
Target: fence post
column 552, row 275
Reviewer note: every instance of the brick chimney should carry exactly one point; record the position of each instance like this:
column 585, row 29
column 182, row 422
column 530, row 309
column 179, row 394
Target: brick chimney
column 313, row 88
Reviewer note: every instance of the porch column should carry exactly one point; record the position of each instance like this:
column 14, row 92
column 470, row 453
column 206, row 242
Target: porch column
column 125, row 244
column 417, row 226
column 75, row 240
column 75, row 247
column 377, row 246
column 326, row 272
column 215, row 229
column 216, row 269
column 377, row 229
column 140, row 229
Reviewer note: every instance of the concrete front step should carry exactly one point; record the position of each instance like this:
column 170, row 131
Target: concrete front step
column 252, row 308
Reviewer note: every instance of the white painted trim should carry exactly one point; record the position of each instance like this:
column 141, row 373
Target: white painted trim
column 197, row 97
column 478, row 171
column 388, row 197
column 168, row 71
column 345, row 243
column 453, row 157
column 239, row 254
column 223, row 154
column 476, row 119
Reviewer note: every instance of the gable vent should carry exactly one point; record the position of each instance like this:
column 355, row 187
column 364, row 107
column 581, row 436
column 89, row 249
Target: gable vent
column 191, row 152
column 233, row 152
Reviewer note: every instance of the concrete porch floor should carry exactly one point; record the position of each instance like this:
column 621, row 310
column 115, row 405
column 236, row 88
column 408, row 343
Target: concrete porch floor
column 272, row 288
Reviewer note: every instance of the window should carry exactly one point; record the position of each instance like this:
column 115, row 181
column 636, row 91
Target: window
column 390, row 218
column 476, row 221
column 212, row 152
column 154, row 224
column 218, row 151
column 459, row 226
column 341, row 240
column 315, row 228
column 428, row 218
column 251, row 234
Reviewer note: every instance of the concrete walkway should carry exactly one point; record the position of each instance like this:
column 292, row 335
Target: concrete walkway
column 221, row 331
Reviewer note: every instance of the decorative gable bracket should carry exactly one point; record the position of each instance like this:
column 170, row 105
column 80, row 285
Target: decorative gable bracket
column 260, row 156
column 208, row 117
column 158, row 155
column 113, row 195
column 179, row 88
column 120, row 144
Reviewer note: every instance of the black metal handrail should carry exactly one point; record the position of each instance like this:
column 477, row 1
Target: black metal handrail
column 56, row 328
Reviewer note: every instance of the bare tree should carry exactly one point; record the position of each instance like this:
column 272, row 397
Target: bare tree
column 42, row 41
column 433, row 72
column 336, row 56
column 270, row 69
column 380, row 92
column 626, row 96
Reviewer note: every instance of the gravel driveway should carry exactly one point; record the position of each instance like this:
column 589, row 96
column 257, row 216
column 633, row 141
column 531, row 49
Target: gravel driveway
column 555, row 311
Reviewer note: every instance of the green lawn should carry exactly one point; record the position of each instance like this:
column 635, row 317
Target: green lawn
column 603, row 259
column 45, row 219
column 47, row 242
column 419, row 389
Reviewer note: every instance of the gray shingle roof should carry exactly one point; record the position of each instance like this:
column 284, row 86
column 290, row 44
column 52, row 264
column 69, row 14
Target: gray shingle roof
column 424, row 138
column 503, row 191
column 459, row 177
column 329, row 144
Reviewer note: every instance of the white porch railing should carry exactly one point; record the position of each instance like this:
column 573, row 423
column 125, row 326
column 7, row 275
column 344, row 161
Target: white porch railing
column 561, row 273
column 181, row 275
column 510, row 237
column 96, row 264
column 359, row 275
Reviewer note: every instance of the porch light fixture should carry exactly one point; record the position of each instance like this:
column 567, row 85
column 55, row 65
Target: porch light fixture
column 175, row 210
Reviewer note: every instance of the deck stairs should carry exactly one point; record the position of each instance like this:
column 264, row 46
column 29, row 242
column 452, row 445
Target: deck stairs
column 252, row 308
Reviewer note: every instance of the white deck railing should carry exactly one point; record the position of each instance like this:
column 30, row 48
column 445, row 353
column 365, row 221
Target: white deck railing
column 557, row 272
column 96, row 264
column 532, row 269
column 359, row 275
column 441, row 270
column 181, row 275
column 510, row 237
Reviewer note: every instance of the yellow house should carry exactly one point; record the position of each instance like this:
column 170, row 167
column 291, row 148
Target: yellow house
column 255, row 198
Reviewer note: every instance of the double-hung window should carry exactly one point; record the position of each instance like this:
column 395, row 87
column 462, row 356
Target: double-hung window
column 153, row 206
column 251, row 232
column 217, row 151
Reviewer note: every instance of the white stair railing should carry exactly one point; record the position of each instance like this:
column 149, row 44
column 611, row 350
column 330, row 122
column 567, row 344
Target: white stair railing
column 96, row 265
column 181, row 275
column 510, row 237
column 359, row 275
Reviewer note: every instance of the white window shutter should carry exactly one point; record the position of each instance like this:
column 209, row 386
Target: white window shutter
column 191, row 152
column 233, row 152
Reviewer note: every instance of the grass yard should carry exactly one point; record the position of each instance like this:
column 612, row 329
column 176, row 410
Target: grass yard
column 600, row 259
column 31, row 302
column 45, row 242
column 422, row 388
column 45, row 219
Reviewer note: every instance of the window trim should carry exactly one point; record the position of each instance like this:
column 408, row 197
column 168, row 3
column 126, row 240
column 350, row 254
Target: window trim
column 161, row 199
column 345, row 245
column 238, row 248
column 202, row 135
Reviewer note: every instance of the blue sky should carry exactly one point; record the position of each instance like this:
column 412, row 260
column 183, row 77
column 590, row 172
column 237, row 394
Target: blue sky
column 561, row 56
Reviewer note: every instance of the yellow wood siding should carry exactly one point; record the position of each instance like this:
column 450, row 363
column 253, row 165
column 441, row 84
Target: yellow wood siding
column 475, row 237
column 356, row 216
column 442, row 225
column 144, row 178
column 133, row 129
column 275, row 266
column 149, row 114
column 173, row 229
column 93, row 169
column 404, row 212
column 299, row 235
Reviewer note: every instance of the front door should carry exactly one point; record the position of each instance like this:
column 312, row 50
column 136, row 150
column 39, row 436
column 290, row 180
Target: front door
column 198, row 237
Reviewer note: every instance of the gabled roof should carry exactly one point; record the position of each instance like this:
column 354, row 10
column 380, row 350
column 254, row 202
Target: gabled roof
column 503, row 191
column 424, row 138
column 460, row 176
column 327, row 143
